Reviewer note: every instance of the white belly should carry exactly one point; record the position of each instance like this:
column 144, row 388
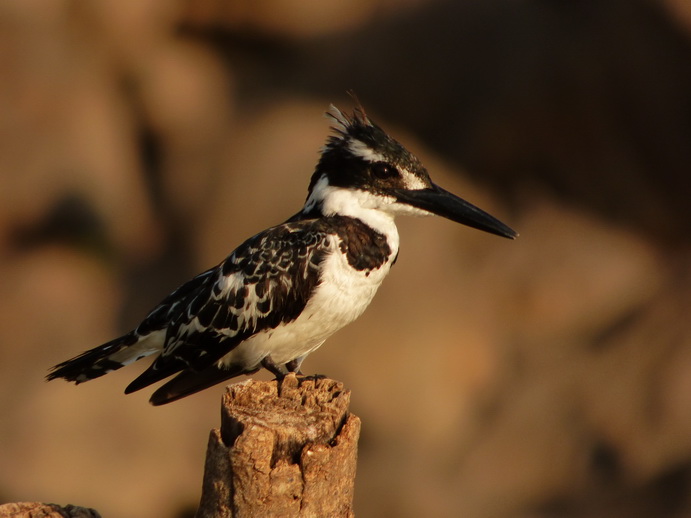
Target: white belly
column 340, row 298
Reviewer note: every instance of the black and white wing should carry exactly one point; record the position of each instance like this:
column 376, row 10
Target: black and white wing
column 264, row 283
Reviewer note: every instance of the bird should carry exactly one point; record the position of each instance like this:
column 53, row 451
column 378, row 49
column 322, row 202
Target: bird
column 279, row 295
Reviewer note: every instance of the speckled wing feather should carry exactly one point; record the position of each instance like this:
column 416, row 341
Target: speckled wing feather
column 264, row 283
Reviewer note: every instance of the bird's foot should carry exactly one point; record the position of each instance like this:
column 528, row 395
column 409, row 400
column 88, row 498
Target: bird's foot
column 294, row 366
column 311, row 377
column 274, row 369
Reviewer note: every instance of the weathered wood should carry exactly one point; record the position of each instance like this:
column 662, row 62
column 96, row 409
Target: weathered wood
column 41, row 510
column 287, row 450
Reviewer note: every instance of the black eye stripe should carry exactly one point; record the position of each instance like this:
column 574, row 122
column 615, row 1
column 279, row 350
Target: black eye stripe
column 383, row 170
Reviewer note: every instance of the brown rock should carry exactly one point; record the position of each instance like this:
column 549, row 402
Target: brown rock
column 40, row 510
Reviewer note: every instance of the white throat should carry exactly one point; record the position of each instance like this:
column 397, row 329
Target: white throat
column 365, row 206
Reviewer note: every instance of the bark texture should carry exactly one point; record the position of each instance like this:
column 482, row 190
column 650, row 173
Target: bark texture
column 40, row 510
column 287, row 450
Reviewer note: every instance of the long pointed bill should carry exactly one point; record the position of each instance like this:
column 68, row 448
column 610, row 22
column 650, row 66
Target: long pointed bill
column 443, row 203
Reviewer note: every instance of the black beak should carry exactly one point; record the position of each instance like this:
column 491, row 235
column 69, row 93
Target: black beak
column 442, row 203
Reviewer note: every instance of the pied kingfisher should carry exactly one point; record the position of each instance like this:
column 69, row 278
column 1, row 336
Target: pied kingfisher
column 284, row 291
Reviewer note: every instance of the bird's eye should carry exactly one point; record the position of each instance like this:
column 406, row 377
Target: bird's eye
column 383, row 170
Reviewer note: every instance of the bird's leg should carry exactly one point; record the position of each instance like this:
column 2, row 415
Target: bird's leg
column 274, row 369
column 294, row 366
column 279, row 371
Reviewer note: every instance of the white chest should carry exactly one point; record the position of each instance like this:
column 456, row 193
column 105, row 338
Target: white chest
column 341, row 296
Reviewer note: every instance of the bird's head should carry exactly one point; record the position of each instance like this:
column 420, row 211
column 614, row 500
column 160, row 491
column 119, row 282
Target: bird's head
column 363, row 168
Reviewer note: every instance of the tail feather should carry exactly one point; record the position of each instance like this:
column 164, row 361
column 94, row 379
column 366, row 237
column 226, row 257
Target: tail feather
column 103, row 359
column 189, row 382
column 156, row 372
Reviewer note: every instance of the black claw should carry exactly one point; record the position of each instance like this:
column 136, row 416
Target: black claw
column 314, row 377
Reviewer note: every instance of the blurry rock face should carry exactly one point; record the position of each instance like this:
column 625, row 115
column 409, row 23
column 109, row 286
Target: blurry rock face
column 548, row 376
column 680, row 12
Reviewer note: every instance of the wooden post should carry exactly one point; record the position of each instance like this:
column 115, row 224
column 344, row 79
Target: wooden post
column 283, row 450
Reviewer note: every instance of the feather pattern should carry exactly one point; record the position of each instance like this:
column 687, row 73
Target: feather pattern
column 263, row 285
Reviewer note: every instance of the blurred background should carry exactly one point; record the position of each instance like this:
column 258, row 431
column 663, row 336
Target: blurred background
column 141, row 141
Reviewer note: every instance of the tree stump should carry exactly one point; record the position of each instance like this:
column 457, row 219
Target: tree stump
column 284, row 449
